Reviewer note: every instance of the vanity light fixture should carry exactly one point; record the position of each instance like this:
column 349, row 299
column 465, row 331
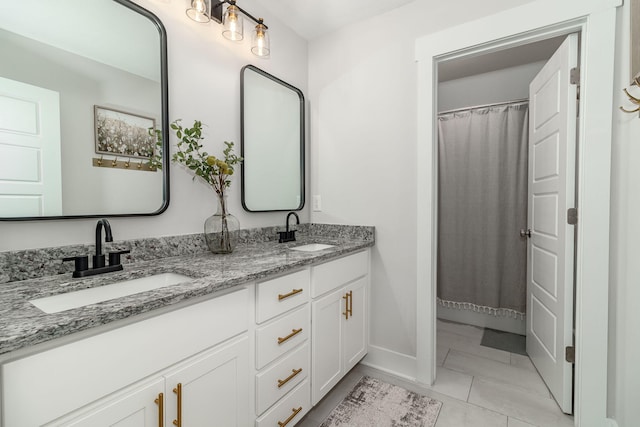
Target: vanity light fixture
column 231, row 19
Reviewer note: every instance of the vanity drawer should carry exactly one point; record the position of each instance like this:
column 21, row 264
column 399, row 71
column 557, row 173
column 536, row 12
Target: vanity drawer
column 328, row 276
column 292, row 408
column 281, row 335
column 276, row 381
column 282, row 294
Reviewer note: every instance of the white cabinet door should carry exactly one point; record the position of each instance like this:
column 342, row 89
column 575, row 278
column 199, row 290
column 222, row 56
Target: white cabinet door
column 326, row 332
column 212, row 390
column 355, row 327
column 138, row 408
column 339, row 331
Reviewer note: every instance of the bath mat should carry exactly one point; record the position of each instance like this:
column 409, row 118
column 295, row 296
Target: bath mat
column 376, row 403
column 513, row 343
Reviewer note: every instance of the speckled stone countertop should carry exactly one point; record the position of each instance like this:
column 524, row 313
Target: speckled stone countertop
column 23, row 325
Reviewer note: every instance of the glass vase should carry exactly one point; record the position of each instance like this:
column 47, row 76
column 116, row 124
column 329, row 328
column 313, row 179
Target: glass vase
column 221, row 229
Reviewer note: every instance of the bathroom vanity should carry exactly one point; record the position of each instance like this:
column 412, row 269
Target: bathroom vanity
column 254, row 338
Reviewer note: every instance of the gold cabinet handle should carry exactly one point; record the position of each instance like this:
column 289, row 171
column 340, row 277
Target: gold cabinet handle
column 292, row 416
column 294, row 372
column 293, row 333
column 178, row 390
column 290, row 294
column 160, row 402
column 346, row 305
column 350, row 303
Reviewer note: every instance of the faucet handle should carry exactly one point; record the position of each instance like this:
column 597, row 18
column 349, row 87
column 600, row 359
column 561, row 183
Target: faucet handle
column 82, row 262
column 114, row 257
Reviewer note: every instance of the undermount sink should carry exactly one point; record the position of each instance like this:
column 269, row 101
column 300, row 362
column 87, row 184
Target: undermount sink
column 69, row 300
column 312, row 247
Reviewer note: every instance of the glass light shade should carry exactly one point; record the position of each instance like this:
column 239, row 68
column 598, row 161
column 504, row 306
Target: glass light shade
column 260, row 41
column 199, row 10
column 232, row 22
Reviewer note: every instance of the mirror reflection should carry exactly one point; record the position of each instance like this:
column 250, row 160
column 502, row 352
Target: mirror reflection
column 81, row 85
column 272, row 143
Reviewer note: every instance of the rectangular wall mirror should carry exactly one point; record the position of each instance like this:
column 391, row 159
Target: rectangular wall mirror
column 272, row 114
column 81, row 83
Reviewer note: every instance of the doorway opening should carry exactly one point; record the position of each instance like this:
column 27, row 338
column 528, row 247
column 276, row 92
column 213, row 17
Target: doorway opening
column 506, row 161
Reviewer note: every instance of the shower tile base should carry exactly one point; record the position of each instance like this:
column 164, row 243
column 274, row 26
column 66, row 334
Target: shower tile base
column 513, row 343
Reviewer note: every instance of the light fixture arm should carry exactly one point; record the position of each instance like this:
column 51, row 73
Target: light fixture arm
column 216, row 12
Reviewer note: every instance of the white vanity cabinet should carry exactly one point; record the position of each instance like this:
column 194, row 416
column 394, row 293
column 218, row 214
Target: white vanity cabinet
column 283, row 328
column 115, row 377
column 205, row 390
column 339, row 319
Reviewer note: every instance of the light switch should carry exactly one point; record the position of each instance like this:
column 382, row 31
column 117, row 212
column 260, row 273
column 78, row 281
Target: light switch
column 317, row 203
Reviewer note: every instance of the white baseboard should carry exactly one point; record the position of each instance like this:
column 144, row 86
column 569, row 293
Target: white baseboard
column 611, row 422
column 389, row 361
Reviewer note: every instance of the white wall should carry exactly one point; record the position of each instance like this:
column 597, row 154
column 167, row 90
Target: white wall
column 624, row 296
column 508, row 84
column 362, row 90
column 204, row 84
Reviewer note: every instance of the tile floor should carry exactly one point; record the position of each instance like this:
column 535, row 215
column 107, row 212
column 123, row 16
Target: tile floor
column 478, row 386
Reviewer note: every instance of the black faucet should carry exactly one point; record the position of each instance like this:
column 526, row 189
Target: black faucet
column 98, row 267
column 98, row 258
column 289, row 236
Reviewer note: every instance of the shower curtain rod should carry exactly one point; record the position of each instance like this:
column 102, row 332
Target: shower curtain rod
column 496, row 104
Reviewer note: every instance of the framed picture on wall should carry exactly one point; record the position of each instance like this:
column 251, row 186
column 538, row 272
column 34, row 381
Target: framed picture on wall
column 120, row 133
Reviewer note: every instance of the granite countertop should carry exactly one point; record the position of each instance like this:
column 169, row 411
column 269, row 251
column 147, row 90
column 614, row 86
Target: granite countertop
column 23, row 325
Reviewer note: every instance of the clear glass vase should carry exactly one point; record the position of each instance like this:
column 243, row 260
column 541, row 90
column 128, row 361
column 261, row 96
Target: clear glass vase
column 221, row 229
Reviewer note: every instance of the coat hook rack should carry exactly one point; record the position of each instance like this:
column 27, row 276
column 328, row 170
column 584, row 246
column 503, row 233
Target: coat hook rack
column 635, row 101
column 122, row 164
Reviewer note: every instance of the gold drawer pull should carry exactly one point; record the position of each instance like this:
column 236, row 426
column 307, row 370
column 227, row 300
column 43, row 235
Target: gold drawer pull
column 160, row 402
column 290, row 294
column 350, row 310
column 292, row 416
column 178, row 391
column 294, row 372
column 293, row 333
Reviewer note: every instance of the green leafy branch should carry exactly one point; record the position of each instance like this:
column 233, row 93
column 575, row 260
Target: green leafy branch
column 214, row 171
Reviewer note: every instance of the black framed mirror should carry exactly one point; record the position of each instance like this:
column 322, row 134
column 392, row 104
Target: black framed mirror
column 273, row 143
column 81, row 86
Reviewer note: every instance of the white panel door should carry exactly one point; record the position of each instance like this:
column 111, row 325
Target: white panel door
column 552, row 140
column 30, row 163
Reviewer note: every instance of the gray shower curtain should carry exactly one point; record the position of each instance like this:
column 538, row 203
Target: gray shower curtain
column 482, row 205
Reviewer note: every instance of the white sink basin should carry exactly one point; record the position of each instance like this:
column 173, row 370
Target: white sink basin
column 69, row 300
column 311, row 247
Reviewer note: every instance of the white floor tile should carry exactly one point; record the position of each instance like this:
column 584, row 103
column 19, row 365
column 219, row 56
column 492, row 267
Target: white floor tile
column 522, row 362
column 469, row 331
column 452, row 383
column 441, row 354
column 455, row 413
column 480, row 367
column 468, row 345
column 518, row 403
column 514, row 422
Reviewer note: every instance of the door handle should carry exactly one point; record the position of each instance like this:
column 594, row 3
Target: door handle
column 525, row 233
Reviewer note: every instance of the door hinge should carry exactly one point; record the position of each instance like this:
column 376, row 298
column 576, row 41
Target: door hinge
column 572, row 216
column 574, row 76
column 570, row 354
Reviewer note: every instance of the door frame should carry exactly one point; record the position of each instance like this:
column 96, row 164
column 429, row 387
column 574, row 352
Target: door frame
column 538, row 20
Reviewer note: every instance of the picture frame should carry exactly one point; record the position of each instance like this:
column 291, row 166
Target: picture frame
column 123, row 134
